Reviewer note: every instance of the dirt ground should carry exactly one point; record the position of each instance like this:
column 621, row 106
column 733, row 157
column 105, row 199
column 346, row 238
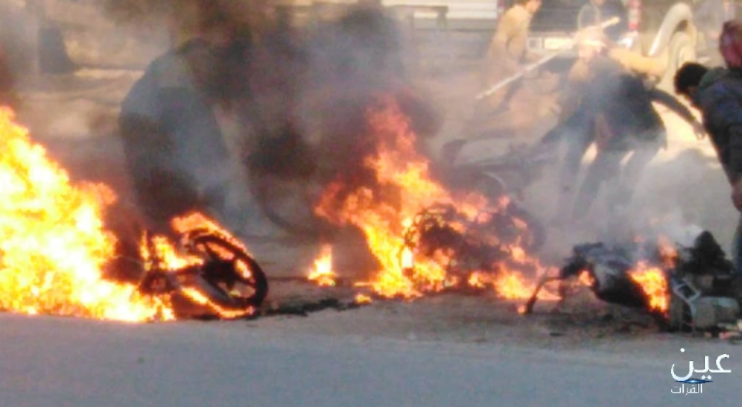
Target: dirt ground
column 458, row 317
column 683, row 187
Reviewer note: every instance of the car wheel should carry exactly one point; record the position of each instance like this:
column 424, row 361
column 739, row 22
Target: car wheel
column 681, row 50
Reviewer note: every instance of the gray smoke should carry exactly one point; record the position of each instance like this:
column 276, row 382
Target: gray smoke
column 309, row 94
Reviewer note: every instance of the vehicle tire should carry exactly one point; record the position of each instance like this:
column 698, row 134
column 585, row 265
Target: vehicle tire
column 681, row 50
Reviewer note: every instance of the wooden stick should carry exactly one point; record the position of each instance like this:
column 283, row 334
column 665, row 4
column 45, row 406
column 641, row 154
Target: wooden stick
column 531, row 67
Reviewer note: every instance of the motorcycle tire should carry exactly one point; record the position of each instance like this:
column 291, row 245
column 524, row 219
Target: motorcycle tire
column 245, row 270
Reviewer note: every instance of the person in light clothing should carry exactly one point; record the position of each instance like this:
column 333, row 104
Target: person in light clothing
column 506, row 54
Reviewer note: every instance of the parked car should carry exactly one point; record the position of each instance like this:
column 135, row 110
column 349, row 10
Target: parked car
column 661, row 30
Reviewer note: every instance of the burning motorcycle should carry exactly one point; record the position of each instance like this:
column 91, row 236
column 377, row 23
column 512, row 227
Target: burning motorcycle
column 504, row 176
column 465, row 246
column 497, row 236
column 692, row 288
column 215, row 277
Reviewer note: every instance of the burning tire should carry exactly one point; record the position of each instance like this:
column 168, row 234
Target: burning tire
column 230, row 265
column 212, row 276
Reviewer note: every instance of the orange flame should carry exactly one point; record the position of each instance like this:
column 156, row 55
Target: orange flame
column 478, row 280
column 519, row 255
column 586, row 279
column 52, row 242
column 165, row 251
column 400, row 168
column 398, row 165
column 362, row 299
column 514, row 286
column 322, row 273
column 654, row 284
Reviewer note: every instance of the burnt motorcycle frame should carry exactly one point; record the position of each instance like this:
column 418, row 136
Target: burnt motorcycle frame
column 225, row 267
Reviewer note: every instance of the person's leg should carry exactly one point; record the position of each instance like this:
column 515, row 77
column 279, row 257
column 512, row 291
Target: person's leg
column 632, row 171
column 578, row 136
column 605, row 167
column 642, row 156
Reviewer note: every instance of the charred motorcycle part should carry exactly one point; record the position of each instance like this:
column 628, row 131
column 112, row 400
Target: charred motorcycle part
column 227, row 282
column 470, row 244
column 609, row 272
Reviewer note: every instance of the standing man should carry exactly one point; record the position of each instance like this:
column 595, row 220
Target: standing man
column 717, row 93
column 586, row 91
column 507, row 53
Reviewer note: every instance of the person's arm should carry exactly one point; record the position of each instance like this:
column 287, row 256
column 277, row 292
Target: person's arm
column 673, row 104
column 636, row 62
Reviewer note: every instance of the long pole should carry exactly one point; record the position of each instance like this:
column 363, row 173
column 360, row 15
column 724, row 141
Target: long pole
column 543, row 60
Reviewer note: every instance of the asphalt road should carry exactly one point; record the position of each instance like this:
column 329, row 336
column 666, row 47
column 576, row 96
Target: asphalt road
column 66, row 362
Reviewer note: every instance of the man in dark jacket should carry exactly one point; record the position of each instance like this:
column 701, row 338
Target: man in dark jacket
column 627, row 125
column 717, row 93
column 613, row 103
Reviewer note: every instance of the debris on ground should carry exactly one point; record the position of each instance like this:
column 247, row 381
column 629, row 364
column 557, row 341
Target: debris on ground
column 685, row 288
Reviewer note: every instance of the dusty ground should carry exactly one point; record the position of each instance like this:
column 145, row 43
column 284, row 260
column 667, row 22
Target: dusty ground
column 460, row 317
column 683, row 186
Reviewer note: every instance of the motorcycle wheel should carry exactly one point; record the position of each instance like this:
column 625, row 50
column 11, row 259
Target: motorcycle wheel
column 244, row 269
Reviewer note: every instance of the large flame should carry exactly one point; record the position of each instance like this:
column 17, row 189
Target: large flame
column 654, row 284
column 52, row 241
column 383, row 216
